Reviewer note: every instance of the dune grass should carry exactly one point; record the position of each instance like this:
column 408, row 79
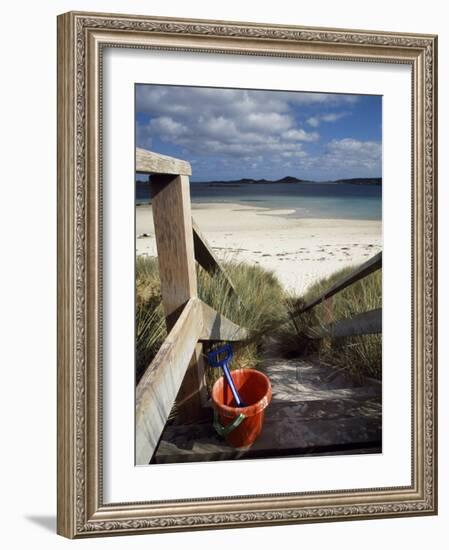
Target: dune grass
column 263, row 307
column 256, row 308
column 150, row 320
column 358, row 355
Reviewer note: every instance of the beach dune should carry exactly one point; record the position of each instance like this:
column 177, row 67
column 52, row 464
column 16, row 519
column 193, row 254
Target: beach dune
column 299, row 251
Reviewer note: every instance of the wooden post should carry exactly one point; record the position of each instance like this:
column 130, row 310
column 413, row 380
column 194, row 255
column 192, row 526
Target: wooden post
column 174, row 240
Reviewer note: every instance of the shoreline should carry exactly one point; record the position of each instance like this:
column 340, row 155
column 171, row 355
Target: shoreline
column 299, row 251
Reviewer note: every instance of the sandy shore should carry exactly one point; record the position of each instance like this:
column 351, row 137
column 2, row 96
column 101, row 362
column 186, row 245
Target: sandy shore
column 299, row 251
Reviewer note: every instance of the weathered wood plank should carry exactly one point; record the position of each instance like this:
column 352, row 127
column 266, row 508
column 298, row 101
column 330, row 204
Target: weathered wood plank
column 217, row 327
column 373, row 264
column 205, row 256
column 284, row 437
column 158, row 387
column 174, row 241
column 148, row 162
column 192, row 396
column 369, row 322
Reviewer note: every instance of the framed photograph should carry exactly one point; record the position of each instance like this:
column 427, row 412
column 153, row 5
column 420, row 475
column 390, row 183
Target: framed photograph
column 246, row 274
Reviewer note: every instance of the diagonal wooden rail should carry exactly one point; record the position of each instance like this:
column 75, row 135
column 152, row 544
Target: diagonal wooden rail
column 368, row 322
column 368, row 267
column 205, row 256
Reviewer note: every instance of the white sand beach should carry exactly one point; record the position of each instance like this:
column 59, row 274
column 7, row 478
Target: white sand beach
column 299, row 251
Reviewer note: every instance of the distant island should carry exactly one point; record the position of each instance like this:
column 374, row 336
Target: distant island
column 292, row 179
column 243, row 181
column 361, row 181
column 286, row 179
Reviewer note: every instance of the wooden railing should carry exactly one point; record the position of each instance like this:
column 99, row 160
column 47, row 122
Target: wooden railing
column 206, row 257
column 368, row 322
column 177, row 371
column 371, row 265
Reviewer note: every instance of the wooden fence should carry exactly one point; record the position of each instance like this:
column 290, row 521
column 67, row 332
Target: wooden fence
column 177, row 371
column 368, row 322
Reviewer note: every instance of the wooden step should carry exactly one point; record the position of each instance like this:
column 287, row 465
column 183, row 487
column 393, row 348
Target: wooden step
column 290, row 429
column 315, row 410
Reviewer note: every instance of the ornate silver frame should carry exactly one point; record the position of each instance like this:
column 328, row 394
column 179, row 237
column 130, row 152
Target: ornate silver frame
column 81, row 37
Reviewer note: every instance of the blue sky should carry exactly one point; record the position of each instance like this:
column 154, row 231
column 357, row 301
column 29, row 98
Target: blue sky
column 230, row 134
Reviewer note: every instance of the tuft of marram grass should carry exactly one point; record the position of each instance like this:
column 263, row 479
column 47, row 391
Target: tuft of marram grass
column 150, row 321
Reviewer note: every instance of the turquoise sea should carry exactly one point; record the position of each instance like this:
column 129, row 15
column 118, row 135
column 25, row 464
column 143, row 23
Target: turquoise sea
column 308, row 200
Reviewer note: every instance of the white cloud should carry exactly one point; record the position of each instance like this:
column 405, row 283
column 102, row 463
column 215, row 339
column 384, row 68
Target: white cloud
column 260, row 121
column 353, row 148
column 360, row 157
column 294, row 154
column 167, row 126
column 315, row 121
column 332, row 117
column 300, row 135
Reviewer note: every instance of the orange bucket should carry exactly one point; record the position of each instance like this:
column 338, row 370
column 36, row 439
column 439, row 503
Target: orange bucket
column 240, row 426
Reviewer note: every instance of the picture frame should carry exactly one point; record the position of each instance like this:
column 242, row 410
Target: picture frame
column 82, row 39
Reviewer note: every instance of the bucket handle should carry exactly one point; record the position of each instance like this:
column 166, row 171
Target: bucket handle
column 223, row 431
